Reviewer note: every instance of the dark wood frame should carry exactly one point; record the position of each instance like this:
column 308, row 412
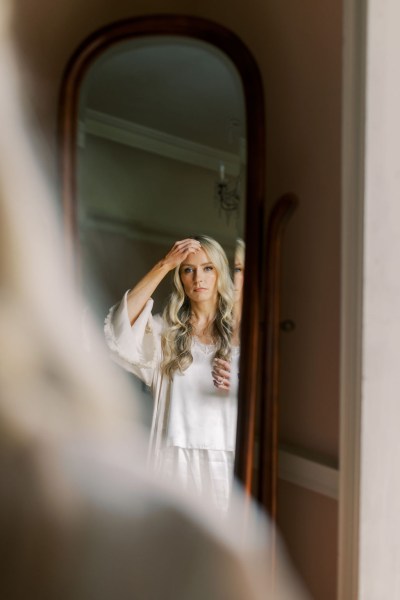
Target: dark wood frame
column 233, row 47
column 268, row 421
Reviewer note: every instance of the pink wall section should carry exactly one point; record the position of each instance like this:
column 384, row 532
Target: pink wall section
column 298, row 48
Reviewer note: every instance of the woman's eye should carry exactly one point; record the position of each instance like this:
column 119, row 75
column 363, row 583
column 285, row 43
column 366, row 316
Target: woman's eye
column 187, row 270
column 209, row 268
column 237, row 270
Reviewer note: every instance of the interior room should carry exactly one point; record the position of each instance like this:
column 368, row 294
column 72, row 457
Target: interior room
column 298, row 52
column 198, row 130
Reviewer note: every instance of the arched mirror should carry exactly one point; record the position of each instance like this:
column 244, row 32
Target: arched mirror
column 162, row 131
column 161, row 154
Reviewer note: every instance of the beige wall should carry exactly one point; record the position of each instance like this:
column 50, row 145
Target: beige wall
column 380, row 474
column 154, row 193
column 298, row 48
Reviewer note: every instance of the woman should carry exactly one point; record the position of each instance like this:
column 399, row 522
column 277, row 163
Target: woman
column 238, row 280
column 194, row 421
column 222, row 368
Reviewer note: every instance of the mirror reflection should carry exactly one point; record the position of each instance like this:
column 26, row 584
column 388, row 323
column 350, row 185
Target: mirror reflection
column 160, row 190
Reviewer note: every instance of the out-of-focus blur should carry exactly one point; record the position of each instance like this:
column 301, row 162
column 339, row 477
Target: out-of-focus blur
column 80, row 517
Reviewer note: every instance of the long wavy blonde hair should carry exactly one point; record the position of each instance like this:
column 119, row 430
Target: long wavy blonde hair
column 177, row 338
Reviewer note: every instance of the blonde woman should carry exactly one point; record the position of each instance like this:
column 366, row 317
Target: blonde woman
column 194, row 421
column 238, row 280
column 222, row 368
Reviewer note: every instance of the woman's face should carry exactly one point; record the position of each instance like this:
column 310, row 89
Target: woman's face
column 238, row 276
column 199, row 277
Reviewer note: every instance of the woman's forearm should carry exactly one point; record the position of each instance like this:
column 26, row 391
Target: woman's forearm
column 138, row 295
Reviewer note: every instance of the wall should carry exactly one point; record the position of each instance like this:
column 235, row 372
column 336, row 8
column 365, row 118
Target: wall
column 380, row 480
column 298, row 48
column 133, row 205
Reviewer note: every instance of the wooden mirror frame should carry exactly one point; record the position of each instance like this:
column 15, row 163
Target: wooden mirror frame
column 233, row 47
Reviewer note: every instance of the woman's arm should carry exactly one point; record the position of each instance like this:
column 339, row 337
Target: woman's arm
column 138, row 295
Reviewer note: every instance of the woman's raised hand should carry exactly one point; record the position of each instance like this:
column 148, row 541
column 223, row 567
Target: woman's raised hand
column 179, row 251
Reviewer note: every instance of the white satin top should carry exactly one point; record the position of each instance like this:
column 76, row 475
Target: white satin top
column 201, row 416
column 194, row 424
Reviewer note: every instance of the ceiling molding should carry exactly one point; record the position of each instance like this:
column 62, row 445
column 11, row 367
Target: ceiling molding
column 137, row 232
column 137, row 136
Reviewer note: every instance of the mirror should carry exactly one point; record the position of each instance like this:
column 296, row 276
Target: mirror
column 161, row 156
column 159, row 143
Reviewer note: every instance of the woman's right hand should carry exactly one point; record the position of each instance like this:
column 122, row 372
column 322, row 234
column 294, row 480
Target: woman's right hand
column 179, row 251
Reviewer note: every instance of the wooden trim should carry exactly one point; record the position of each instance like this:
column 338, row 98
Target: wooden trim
column 309, row 473
column 233, row 47
column 353, row 128
column 268, row 429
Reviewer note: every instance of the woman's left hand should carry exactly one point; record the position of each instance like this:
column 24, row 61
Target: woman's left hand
column 221, row 374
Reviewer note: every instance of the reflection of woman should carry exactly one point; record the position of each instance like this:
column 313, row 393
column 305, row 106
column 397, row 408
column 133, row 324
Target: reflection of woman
column 222, row 368
column 194, row 421
column 238, row 280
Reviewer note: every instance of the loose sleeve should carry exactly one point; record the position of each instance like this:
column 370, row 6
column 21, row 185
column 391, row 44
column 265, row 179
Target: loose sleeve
column 137, row 347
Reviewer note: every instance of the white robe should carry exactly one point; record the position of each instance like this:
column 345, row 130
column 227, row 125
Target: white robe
column 194, row 424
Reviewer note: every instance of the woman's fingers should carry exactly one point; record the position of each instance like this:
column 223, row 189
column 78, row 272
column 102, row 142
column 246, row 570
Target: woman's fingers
column 222, row 384
column 188, row 244
column 221, row 364
column 221, row 374
column 221, row 369
column 181, row 249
